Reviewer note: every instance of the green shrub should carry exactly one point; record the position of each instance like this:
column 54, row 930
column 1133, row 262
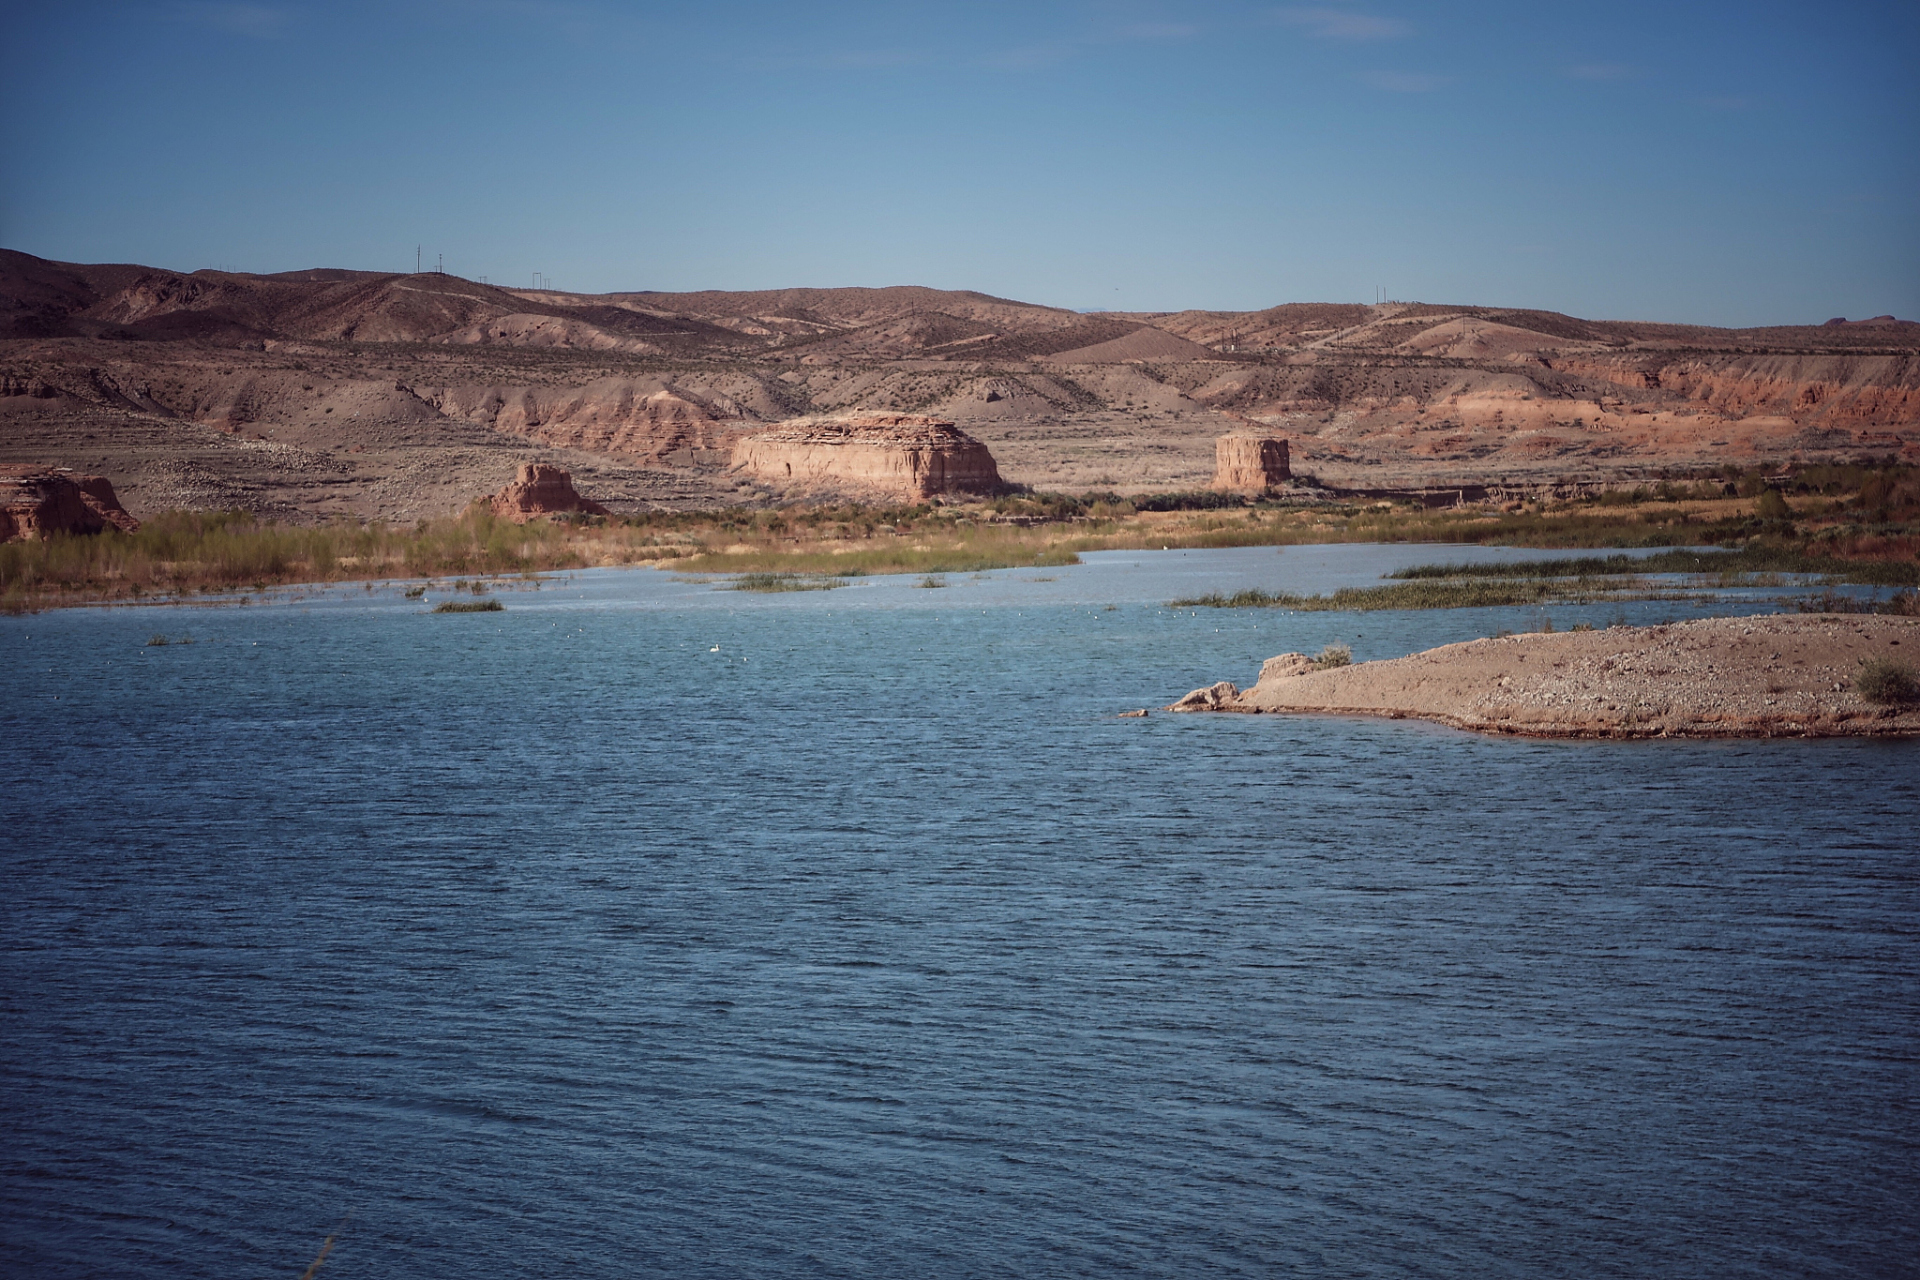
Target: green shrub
column 1886, row 680
column 1334, row 655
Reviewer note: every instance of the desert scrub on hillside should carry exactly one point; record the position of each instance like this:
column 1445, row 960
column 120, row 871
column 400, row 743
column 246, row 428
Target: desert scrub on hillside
column 1887, row 681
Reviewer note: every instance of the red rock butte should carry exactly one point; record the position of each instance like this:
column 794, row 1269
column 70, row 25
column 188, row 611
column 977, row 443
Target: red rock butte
column 903, row 455
column 38, row 501
column 541, row 490
column 1249, row 463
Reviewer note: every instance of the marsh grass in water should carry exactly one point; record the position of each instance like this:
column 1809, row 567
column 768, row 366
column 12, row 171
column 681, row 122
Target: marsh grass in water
column 1439, row 595
column 1583, row 580
column 469, row 606
column 1734, row 568
column 785, row 582
column 1871, row 539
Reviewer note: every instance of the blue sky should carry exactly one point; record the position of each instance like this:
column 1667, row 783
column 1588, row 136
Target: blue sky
column 1717, row 163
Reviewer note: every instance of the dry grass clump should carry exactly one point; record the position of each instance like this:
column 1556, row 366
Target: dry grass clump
column 1333, row 655
column 1887, row 681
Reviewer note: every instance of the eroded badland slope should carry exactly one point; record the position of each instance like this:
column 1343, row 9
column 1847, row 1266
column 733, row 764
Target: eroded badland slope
column 325, row 392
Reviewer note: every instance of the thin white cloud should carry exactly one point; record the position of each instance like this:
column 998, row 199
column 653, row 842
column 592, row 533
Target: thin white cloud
column 262, row 22
column 1343, row 24
column 1404, row 81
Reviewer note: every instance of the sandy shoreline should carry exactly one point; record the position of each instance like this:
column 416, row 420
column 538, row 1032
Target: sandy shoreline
column 1782, row 675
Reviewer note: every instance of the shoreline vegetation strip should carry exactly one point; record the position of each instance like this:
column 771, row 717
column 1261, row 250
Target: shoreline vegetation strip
column 1441, row 595
column 1869, row 534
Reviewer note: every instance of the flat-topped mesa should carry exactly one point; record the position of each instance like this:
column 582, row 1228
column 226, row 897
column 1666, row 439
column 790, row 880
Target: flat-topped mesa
column 38, row 501
column 905, row 455
column 1250, row 464
column 541, row 490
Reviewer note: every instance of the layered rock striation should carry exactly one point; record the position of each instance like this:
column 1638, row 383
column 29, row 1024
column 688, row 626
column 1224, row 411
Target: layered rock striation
column 902, row 455
column 541, row 490
column 36, row 502
column 1249, row 463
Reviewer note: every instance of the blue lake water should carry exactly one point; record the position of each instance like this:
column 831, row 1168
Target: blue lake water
column 653, row 928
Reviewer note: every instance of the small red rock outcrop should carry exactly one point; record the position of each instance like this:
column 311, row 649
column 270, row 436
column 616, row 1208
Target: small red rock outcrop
column 37, row 501
column 1249, row 464
column 904, row 455
column 541, row 490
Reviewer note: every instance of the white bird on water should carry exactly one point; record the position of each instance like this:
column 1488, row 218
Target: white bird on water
column 715, row 649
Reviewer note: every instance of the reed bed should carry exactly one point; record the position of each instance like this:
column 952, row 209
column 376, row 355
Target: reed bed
column 1436, row 595
column 1869, row 534
column 785, row 582
column 1728, row 566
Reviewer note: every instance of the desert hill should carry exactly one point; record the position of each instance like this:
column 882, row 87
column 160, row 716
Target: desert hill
column 325, row 391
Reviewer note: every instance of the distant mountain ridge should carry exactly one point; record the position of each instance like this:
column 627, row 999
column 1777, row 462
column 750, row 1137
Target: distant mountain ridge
column 328, row 391
column 41, row 299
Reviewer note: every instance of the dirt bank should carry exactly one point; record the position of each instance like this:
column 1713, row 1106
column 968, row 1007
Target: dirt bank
column 1788, row 675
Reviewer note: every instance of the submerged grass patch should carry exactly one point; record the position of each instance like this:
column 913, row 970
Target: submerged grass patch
column 1436, row 595
column 785, row 582
column 1727, row 565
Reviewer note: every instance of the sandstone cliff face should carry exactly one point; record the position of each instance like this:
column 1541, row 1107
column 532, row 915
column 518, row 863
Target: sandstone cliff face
column 38, row 501
column 541, row 490
column 652, row 419
column 1249, row 464
column 901, row 455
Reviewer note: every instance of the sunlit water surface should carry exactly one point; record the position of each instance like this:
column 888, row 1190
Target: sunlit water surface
column 653, row 928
